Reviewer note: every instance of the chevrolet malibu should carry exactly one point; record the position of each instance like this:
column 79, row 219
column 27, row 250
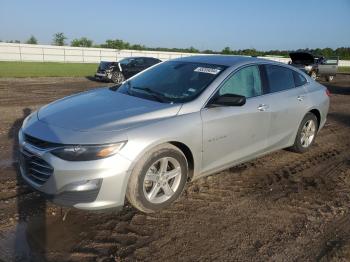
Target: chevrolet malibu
column 173, row 123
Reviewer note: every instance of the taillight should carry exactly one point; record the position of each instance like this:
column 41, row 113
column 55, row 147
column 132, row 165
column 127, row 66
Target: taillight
column 327, row 92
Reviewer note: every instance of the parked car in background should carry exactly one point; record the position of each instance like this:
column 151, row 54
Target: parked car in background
column 177, row 121
column 117, row 72
column 315, row 66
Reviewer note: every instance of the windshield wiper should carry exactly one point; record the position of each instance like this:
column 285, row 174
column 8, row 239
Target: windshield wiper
column 159, row 96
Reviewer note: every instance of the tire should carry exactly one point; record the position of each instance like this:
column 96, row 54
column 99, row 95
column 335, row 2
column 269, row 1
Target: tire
column 151, row 193
column 306, row 134
column 329, row 78
column 117, row 77
column 313, row 75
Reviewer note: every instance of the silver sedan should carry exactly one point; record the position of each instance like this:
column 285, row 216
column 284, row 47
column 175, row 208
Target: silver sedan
column 175, row 122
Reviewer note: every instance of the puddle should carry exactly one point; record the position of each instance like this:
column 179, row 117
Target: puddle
column 34, row 239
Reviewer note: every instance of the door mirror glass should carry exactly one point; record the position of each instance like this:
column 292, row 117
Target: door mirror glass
column 227, row 100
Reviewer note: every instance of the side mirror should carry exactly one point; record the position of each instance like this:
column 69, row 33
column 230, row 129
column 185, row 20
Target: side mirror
column 227, row 100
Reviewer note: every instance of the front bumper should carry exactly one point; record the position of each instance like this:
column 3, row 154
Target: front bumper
column 89, row 185
column 103, row 76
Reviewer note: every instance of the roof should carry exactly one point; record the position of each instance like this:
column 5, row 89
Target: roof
column 226, row 60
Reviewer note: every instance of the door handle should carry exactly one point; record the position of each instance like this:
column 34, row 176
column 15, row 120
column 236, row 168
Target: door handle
column 262, row 107
column 300, row 98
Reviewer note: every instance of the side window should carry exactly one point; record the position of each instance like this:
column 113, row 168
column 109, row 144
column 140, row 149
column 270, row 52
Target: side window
column 299, row 79
column 279, row 78
column 246, row 82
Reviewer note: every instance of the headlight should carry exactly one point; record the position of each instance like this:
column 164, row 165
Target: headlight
column 87, row 152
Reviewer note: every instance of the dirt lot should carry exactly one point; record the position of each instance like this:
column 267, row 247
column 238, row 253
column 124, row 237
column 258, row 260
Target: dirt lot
column 282, row 207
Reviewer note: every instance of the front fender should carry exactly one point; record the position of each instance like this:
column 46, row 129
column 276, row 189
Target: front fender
column 185, row 129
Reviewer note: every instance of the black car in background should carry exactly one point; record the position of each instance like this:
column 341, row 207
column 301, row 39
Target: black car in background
column 117, row 72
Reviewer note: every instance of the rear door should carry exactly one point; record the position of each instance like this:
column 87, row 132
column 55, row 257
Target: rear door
column 233, row 134
column 287, row 98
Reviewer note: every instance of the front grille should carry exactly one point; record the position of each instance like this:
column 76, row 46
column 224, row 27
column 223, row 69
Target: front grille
column 35, row 168
column 39, row 143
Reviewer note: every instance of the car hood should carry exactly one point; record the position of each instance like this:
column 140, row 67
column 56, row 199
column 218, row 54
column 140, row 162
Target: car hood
column 104, row 110
column 302, row 58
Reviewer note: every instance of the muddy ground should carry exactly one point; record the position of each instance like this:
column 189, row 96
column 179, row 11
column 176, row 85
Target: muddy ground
column 281, row 207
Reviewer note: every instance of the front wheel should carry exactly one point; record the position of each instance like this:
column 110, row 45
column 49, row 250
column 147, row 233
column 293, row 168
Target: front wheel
column 329, row 78
column 306, row 134
column 313, row 75
column 117, row 77
column 157, row 179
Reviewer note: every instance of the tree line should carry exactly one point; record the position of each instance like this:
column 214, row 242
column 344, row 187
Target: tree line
column 59, row 39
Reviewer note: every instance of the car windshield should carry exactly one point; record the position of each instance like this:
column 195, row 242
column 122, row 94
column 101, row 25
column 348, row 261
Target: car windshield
column 125, row 61
column 105, row 65
column 172, row 81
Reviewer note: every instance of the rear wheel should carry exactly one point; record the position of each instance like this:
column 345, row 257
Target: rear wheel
column 157, row 179
column 117, row 77
column 306, row 133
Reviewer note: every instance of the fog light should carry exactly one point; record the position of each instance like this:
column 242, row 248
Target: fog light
column 84, row 185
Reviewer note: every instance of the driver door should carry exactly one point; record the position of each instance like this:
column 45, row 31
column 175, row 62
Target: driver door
column 232, row 134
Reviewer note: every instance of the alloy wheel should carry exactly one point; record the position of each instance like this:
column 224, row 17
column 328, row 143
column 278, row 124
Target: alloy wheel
column 313, row 75
column 162, row 180
column 308, row 133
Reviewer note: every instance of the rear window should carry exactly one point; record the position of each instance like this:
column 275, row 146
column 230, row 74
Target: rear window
column 279, row 78
column 299, row 79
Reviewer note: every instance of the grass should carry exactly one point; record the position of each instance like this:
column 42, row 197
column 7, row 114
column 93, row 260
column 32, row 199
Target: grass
column 40, row 69
column 344, row 69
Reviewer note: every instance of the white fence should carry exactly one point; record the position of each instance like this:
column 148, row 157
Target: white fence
column 67, row 54
column 48, row 53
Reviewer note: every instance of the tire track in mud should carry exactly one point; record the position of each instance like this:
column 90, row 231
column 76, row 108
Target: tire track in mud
column 243, row 178
column 311, row 187
column 335, row 235
column 117, row 236
column 129, row 235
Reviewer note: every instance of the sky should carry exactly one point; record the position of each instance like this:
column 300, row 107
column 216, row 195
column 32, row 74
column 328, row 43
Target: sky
column 203, row 24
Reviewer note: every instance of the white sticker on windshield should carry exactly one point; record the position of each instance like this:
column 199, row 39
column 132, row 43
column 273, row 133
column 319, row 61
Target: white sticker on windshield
column 207, row 70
